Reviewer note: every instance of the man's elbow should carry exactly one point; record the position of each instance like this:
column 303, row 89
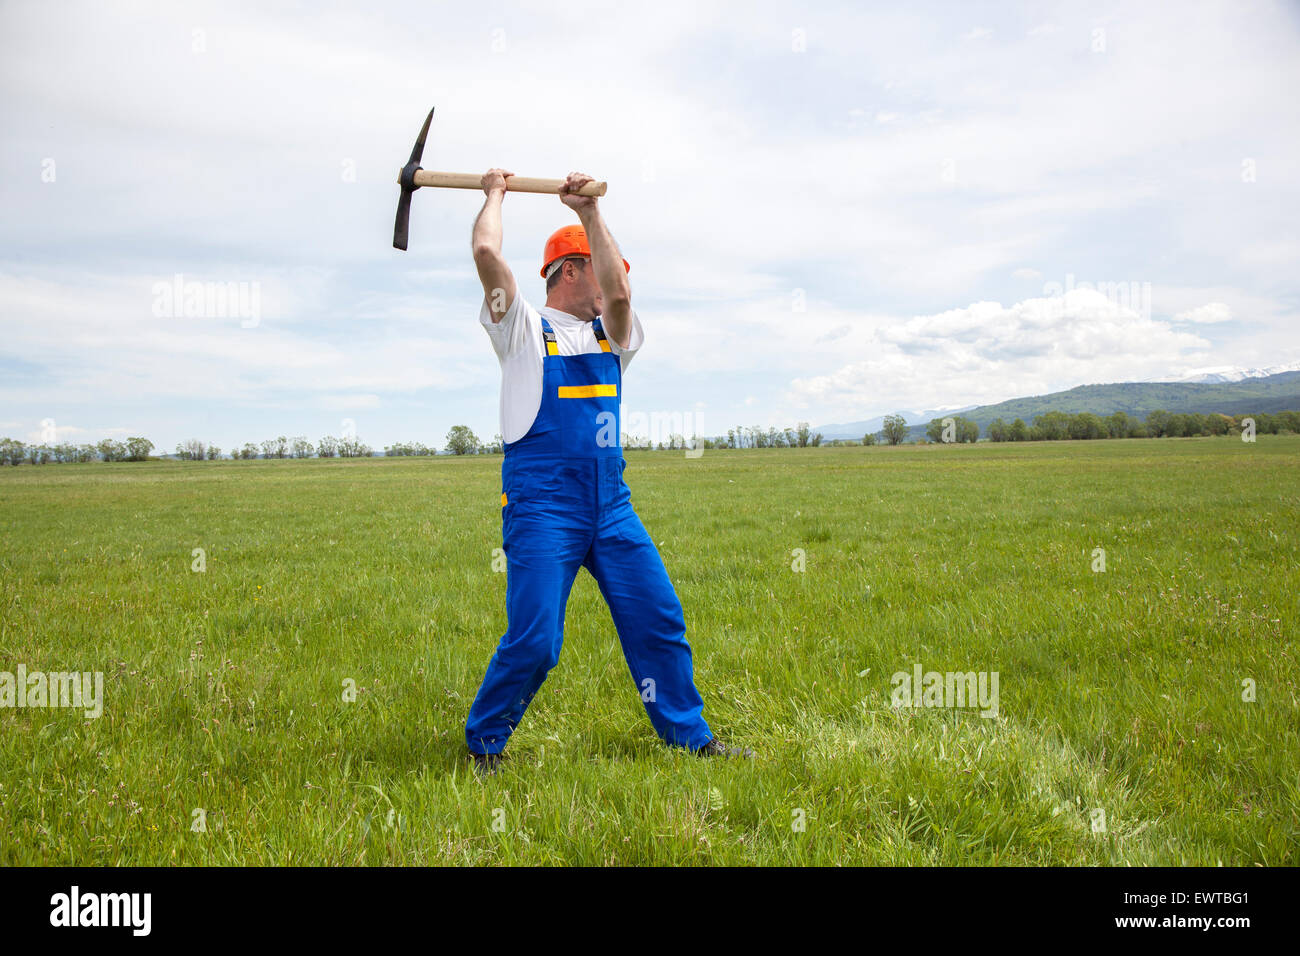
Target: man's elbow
column 619, row 302
column 485, row 253
column 618, row 313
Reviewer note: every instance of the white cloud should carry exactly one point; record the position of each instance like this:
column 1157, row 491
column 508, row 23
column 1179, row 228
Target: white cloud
column 986, row 352
column 100, row 337
column 1283, row 252
column 1207, row 314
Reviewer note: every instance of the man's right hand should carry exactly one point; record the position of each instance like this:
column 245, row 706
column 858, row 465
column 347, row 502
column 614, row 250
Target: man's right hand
column 494, row 180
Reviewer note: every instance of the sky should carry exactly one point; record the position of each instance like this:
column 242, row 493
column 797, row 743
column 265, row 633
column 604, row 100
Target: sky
column 831, row 211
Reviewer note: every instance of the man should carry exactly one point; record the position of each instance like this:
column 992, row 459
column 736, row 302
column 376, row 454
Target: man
column 564, row 504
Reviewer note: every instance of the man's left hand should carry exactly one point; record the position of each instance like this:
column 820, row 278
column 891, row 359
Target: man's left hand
column 569, row 196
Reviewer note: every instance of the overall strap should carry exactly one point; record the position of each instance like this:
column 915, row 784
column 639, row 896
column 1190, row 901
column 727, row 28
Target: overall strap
column 600, row 335
column 548, row 335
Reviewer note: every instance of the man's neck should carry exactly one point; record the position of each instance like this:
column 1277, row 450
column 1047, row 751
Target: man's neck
column 560, row 308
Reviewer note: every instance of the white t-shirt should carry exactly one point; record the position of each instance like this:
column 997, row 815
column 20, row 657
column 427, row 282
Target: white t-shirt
column 518, row 341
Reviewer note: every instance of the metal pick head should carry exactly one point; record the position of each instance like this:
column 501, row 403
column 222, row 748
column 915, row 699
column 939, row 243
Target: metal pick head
column 407, row 181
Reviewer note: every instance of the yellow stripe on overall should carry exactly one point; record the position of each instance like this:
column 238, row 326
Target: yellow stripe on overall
column 588, row 391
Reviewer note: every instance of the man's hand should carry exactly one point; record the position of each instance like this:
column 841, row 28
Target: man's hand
column 494, row 181
column 569, row 196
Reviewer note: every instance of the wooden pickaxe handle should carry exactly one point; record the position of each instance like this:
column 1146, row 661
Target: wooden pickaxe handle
column 514, row 184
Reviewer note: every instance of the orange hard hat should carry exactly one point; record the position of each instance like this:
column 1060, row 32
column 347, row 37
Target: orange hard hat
column 568, row 241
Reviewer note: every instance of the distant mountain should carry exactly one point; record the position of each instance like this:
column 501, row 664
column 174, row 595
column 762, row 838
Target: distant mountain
column 858, row 429
column 1226, row 373
column 1274, row 392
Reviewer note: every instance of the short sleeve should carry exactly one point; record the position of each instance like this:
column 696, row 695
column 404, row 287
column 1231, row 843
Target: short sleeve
column 511, row 333
column 635, row 341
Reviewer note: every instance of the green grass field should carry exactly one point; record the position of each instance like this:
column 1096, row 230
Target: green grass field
column 1121, row 693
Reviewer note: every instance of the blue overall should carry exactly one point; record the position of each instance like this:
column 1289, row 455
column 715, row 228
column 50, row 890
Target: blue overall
column 564, row 506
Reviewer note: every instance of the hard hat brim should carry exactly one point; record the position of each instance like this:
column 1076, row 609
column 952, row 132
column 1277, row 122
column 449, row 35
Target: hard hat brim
column 626, row 266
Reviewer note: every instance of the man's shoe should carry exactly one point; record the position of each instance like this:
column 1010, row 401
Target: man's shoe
column 486, row 765
column 715, row 748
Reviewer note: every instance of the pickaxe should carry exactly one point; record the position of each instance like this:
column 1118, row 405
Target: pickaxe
column 412, row 177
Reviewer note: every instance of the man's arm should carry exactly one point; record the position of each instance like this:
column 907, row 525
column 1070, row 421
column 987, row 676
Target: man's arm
column 605, row 259
column 498, row 281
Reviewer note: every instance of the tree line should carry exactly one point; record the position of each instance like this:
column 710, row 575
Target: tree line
column 1084, row 426
column 756, row 436
column 14, row 452
column 461, row 440
column 281, row 447
column 742, row 436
